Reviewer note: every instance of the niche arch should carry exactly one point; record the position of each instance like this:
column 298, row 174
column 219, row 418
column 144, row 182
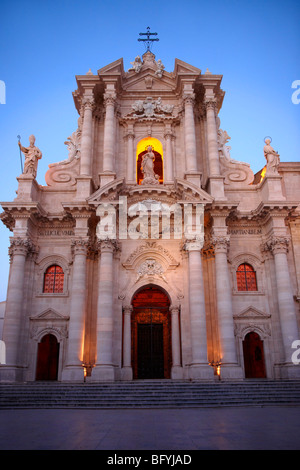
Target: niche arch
column 157, row 149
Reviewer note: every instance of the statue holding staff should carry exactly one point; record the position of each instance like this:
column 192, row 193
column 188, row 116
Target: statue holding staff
column 32, row 155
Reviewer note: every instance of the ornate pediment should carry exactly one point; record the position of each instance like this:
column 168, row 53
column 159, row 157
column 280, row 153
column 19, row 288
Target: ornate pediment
column 151, row 250
column 252, row 313
column 49, row 315
column 181, row 191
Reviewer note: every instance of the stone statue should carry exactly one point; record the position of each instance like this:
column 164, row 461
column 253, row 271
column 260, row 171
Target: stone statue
column 136, row 65
column 32, row 155
column 147, row 167
column 272, row 158
column 160, row 68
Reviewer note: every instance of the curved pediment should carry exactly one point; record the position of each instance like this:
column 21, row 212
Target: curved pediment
column 181, row 191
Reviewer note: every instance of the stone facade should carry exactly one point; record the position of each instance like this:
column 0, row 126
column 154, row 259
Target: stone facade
column 246, row 220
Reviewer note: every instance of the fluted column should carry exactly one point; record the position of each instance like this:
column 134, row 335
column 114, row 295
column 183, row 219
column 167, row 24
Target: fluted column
column 228, row 354
column 216, row 180
column 109, row 133
column 130, row 170
column 190, row 135
column 73, row 371
column 168, row 157
column 212, row 138
column 86, row 137
column 127, row 368
column 199, row 367
column 289, row 328
column 104, row 369
column 13, row 314
column 176, row 371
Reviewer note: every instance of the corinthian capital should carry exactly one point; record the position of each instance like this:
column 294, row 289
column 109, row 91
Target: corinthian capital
column 210, row 103
column 88, row 102
column 79, row 246
column 109, row 98
column 193, row 243
column 220, row 243
column 277, row 244
column 108, row 245
column 188, row 98
column 21, row 246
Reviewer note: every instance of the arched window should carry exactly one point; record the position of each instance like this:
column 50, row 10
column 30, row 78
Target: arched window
column 54, row 280
column 246, row 278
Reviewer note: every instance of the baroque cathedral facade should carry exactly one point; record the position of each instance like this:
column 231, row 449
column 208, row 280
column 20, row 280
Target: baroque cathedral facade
column 151, row 253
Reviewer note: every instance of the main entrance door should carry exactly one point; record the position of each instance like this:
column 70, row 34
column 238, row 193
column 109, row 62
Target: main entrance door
column 254, row 361
column 47, row 358
column 151, row 335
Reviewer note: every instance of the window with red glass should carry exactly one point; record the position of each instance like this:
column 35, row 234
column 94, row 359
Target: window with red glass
column 246, row 278
column 54, row 280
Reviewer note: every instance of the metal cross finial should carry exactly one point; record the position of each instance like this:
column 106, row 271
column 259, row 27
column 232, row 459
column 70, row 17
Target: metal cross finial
column 149, row 40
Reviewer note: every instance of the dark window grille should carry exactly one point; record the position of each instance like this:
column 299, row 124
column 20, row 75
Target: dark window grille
column 54, row 280
column 246, row 278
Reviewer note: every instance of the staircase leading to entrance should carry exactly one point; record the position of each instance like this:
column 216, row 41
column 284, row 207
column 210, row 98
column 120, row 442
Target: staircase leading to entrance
column 149, row 394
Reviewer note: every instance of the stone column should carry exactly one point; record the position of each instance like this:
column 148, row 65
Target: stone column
column 127, row 368
column 176, row 371
column 104, row 369
column 13, row 314
column 86, row 146
column 212, row 137
column 289, row 328
column 216, row 180
column 168, row 157
column 73, row 371
column 108, row 171
column 130, row 170
column 190, row 135
column 228, row 354
column 199, row 368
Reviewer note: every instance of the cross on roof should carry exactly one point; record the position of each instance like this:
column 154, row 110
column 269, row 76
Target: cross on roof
column 149, row 40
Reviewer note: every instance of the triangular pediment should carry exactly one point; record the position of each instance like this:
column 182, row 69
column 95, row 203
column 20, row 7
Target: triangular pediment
column 251, row 313
column 148, row 80
column 114, row 68
column 49, row 314
column 182, row 67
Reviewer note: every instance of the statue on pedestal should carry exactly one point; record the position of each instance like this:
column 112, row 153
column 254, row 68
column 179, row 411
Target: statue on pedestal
column 147, row 167
column 32, row 155
column 272, row 158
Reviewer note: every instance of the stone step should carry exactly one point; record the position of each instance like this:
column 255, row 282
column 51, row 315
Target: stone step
column 149, row 394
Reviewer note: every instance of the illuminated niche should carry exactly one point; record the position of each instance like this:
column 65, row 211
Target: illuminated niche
column 157, row 149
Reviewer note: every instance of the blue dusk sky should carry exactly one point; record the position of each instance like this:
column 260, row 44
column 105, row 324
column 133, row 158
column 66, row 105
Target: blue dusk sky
column 44, row 44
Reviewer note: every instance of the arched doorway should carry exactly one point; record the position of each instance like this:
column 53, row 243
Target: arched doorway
column 142, row 148
column 151, row 334
column 254, row 360
column 47, row 358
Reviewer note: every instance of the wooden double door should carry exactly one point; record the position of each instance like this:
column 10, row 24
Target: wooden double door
column 151, row 336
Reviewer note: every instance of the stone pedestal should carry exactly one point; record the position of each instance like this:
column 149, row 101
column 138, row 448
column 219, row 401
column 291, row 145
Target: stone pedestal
column 271, row 188
column 28, row 188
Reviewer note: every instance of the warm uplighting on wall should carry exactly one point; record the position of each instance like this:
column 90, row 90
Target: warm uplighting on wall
column 263, row 173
